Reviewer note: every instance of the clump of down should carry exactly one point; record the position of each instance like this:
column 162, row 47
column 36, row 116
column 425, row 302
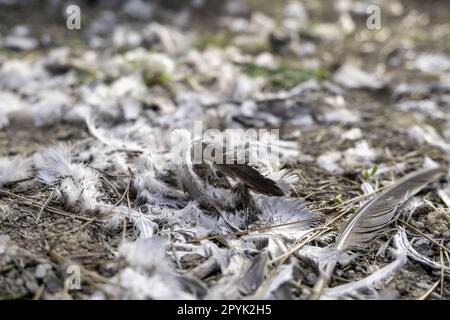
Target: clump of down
column 148, row 274
column 74, row 182
column 14, row 169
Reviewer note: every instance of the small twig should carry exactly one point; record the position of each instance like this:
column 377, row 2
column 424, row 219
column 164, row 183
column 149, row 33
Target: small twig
column 127, row 195
column 424, row 235
column 39, row 292
column 92, row 274
column 298, row 244
column 283, row 258
column 441, row 255
column 36, row 204
column 104, row 178
column 47, row 202
column 351, row 201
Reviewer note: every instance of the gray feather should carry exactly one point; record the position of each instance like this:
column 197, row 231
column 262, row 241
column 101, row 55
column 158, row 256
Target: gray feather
column 192, row 183
column 371, row 219
column 254, row 276
column 376, row 214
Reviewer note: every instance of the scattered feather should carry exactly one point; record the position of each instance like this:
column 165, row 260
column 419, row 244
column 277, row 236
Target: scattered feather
column 401, row 241
column 373, row 217
column 14, row 169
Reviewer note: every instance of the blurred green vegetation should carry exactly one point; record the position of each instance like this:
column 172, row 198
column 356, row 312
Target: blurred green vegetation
column 285, row 76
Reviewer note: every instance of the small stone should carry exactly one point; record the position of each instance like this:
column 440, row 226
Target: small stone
column 31, row 285
column 139, row 9
column 52, row 283
column 3, row 243
column 432, row 63
column 351, row 76
column 423, row 285
column 419, row 224
column 311, row 277
column 41, row 270
column 19, row 282
column 438, row 222
column 351, row 272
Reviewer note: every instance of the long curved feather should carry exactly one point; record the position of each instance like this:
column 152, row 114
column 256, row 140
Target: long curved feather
column 371, row 219
column 375, row 215
column 192, row 184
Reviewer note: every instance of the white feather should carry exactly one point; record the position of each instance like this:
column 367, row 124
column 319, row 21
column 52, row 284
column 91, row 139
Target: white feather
column 77, row 183
column 369, row 282
column 14, row 169
column 401, row 241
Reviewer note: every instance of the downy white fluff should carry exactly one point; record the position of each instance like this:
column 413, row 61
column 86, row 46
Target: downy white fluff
column 283, row 210
column 149, row 275
column 149, row 187
column 108, row 138
column 143, row 222
column 75, row 182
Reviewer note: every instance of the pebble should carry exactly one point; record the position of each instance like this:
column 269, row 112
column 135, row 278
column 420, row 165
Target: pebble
column 311, row 277
column 19, row 282
column 31, row 285
column 41, row 270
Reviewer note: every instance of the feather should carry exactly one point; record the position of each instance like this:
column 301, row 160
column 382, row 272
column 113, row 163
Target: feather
column 254, row 276
column 401, row 241
column 251, row 178
column 148, row 274
column 155, row 191
column 109, row 138
column 322, row 257
column 14, row 169
column 234, row 162
column 243, row 200
column 376, row 214
column 284, row 210
column 77, row 183
column 285, row 179
column 284, row 274
column 191, row 182
column 400, row 255
column 371, row 219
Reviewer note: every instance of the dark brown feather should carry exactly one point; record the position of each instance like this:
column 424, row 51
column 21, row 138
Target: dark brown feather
column 251, row 178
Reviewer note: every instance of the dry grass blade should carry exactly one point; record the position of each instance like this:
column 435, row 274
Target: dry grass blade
column 441, row 257
column 424, row 235
column 91, row 274
column 47, row 202
column 426, row 294
column 246, row 232
column 35, row 204
column 126, row 195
